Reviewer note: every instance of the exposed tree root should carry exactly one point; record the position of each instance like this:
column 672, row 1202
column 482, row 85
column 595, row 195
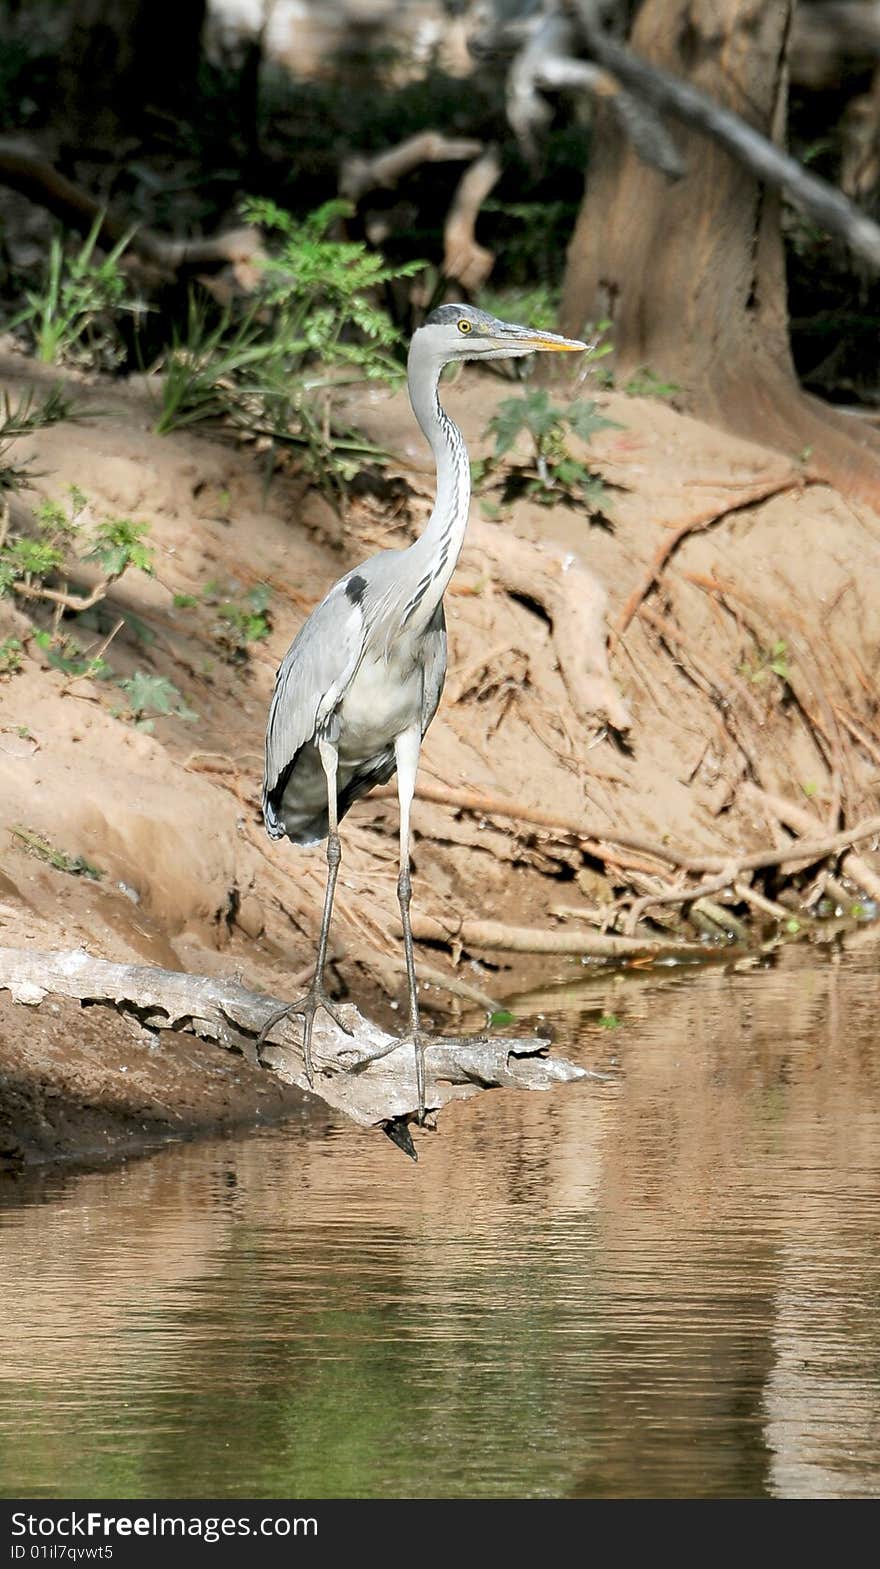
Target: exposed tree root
column 498, row 936
column 748, row 497
column 574, row 602
column 594, row 838
column 803, row 822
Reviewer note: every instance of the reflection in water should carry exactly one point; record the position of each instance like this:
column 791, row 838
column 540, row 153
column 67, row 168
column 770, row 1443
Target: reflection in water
column 665, row 1285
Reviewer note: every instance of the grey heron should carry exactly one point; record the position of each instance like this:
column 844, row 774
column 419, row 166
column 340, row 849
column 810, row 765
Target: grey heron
column 360, row 684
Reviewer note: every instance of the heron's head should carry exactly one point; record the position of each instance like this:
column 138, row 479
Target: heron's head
column 461, row 332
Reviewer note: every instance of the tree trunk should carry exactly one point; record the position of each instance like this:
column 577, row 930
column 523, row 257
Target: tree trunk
column 124, row 57
column 692, row 274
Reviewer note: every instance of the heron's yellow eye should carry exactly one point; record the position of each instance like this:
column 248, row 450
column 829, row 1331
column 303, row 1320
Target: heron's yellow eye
column 464, row 326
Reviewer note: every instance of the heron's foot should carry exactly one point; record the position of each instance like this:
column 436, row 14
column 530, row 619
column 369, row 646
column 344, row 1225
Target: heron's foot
column 357, row 1059
column 306, row 1008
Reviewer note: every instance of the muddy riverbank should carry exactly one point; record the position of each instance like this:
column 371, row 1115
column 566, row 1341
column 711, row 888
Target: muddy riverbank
column 737, row 715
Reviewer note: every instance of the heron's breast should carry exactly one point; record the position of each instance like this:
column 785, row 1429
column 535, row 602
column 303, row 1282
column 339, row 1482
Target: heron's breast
column 382, row 701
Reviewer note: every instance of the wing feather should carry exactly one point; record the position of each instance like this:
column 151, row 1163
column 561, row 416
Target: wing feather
column 311, row 679
column 434, row 665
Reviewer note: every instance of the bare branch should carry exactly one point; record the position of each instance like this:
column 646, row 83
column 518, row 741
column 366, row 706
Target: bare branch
column 546, row 61
column 801, row 821
column 24, row 170
column 360, row 174
column 594, row 836
column 670, row 95
column 748, row 497
column 463, row 258
column 499, row 936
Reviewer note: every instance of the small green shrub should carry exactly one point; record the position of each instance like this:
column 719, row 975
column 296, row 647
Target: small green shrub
column 645, row 383
column 239, row 618
column 29, row 414
column 38, row 845
column 553, row 473
column 271, row 368
column 10, row 657
column 38, row 566
column 71, row 317
column 149, row 695
column 241, row 621
column 774, row 660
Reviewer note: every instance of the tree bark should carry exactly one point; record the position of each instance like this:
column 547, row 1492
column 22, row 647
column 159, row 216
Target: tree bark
column 692, row 274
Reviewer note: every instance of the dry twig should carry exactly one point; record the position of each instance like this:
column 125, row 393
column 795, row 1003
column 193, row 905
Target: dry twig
column 749, row 496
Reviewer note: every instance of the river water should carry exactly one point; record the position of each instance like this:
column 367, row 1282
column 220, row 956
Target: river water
column 663, row 1285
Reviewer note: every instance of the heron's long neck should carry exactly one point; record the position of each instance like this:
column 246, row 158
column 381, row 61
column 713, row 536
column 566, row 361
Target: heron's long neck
column 436, row 551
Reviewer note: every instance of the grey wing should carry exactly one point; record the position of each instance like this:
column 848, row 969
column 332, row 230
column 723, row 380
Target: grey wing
column 434, row 665
column 311, row 679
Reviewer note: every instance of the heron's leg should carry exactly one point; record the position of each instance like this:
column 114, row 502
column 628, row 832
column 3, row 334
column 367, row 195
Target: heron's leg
column 316, row 997
column 406, row 751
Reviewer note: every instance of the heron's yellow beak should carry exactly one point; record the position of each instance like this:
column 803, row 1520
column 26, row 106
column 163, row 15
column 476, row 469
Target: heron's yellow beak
column 553, row 343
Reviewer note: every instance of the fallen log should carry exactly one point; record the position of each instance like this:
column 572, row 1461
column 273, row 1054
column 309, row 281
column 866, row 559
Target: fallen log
column 369, row 1075
column 24, row 169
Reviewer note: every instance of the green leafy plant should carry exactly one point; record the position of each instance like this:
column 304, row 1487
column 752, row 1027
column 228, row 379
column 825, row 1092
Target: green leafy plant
column 10, row 657
column 644, row 383
column 64, row 653
column 37, row 569
column 768, row 661
column 38, row 845
column 149, row 695
column 118, row 544
column 240, row 621
column 38, row 566
column 71, row 317
column 239, row 618
column 207, row 362
column 23, row 418
column 553, row 472
column 313, row 325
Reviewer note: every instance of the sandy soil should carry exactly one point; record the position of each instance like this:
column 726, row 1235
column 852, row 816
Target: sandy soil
column 171, row 818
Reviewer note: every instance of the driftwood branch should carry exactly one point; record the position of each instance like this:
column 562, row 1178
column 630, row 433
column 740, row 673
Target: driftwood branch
column 369, row 1075
column 26, row 171
column 463, row 258
column 360, row 174
column 75, row 602
column 668, row 94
